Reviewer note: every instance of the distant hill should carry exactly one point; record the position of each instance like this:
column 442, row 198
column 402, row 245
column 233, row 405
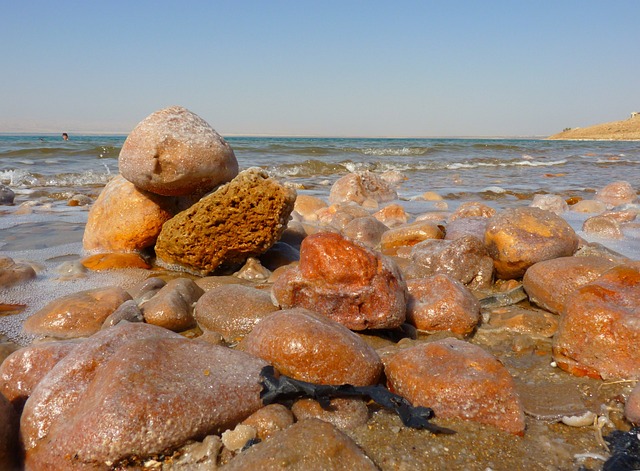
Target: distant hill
column 625, row 130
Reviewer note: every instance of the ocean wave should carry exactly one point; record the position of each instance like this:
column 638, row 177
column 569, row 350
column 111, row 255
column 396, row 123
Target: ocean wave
column 516, row 163
column 59, row 151
column 394, row 151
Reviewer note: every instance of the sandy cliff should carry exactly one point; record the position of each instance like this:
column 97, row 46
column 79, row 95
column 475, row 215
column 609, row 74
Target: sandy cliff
column 625, row 130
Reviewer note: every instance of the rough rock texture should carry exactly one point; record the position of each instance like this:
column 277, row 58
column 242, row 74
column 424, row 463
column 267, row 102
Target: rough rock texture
column 457, row 379
column 409, row 235
column 310, row 347
column 125, row 218
column 76, row 315
column 616, row 193
column 392, row 215
column 472, row 209
column 364, row 188
column 239, row 220
column 172, row 306
column 440, row 302
column 549, row 283
column 23, row 369
column 135, row 390
column 519, row 237
column 599, row 332
column 332, row 450
column 175, row 152
column 465, row 259
column 12, row 273
column 232, row 310
column 346, row 282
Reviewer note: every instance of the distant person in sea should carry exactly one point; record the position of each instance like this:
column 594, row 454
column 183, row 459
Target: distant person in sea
column 65, row 136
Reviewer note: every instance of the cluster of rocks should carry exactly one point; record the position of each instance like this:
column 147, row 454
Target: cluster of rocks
column 168, row 372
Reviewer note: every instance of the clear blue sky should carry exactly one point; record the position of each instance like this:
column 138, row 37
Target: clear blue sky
column 372, row 68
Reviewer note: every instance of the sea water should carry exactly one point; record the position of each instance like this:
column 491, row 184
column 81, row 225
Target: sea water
column 45, row 171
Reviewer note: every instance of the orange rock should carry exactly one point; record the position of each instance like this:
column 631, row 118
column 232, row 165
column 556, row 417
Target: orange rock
column 409, row 235
column 548, row 283
column 308, row 346
column 392, row 215
column 599, row 331
column 113, row 261
column 172, row 306
column 519, row 237
column 345, row 281
column 307, row 206
column 457, row 379
column 269, row 420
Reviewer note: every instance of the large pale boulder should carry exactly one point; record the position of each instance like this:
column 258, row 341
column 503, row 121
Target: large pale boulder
column 364, row 188
column 175, row 152
column 241, row 219
column 457, row 379
column 599, row 331
column 516, row 238
column 134, row 391
column 125, row 218
column 346, row 282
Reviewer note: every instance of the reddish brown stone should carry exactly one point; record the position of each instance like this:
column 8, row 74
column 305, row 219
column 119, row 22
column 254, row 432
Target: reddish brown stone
column 457, row 379
column 269, row 420
column 345, row 281
column 175, row 152
column 548, row 283
column 442, row 303
column 599, row 332
column 76, row 315
column 310, row 347
column 519, row 237
column 172, row 306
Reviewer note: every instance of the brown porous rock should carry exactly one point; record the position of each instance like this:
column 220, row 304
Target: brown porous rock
column 549, row 283
column 241, row 219
column 125, row 218
column 175, row 152
column 308, row 346
column 599, row 331
column 346, row 282
column 440, row 302
column 516, row 238
column 457, row 379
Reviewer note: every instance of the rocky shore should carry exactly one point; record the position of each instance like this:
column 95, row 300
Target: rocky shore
column 624, row 130
column 472, row 340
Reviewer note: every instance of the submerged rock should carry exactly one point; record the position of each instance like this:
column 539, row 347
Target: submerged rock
column 241, row 219
column 599, row 332
column 175, row 152
column 346, row 282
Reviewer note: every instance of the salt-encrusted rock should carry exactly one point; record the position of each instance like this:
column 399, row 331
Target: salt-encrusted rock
column 252, row 270
column 338, row 215
column 76, row 315
column 366, row 230
column 125, row 218
column 602, row 226
column 332, row 450
column 465, row 259
column 472, row 209
column 408, row 235
column 344, row 413
column 310, row 347
column 175, row 152
column 12, row 273
column 589, row 206
column 239, row 220
column 7, row 195
column 364, row 188
column 8, row 436
column 517, row 238
column 440, row 302
column 468, row 226
column 232, row 310
column 172, row 306
column 599, row 331
column 457, row 379
column 24, row 368
column 135, row 391
column 346, row 282
column 392, row 215
column 632, row 406
column 269, row 420
column 553, row 203
column 616, row 193
column 307, row 206
column 548, row 283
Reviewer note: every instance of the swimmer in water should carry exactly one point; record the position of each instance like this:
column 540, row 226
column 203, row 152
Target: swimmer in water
column 65, row 136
